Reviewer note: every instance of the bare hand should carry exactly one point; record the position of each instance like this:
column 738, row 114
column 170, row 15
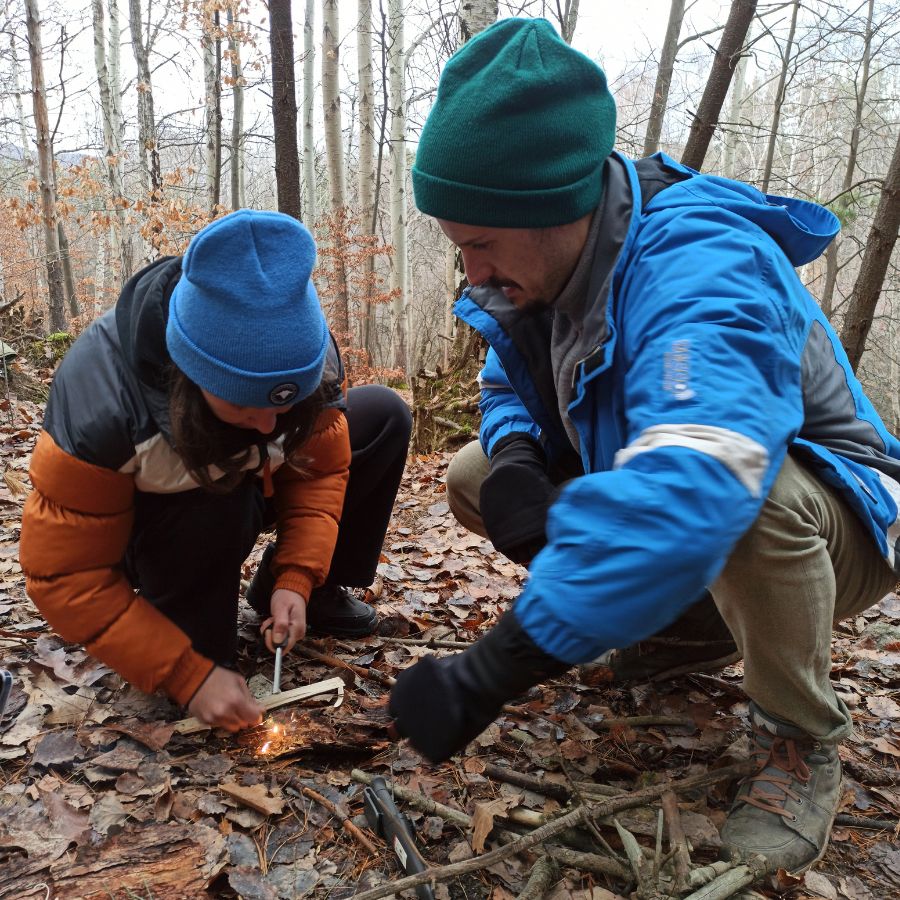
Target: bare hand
column 288, row 619
column 225, row 701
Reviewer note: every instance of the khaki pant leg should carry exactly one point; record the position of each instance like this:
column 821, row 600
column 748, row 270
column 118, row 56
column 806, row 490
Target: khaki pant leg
column 806, row 562
column 464, row 476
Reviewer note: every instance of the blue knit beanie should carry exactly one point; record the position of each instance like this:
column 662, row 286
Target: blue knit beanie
column 519, row 132
column 245, row 323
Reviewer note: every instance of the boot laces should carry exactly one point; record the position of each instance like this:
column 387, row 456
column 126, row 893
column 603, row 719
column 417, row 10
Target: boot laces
column 780, row 766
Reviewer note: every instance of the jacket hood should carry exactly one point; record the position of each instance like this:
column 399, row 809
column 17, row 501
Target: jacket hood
column 802, row 229
column 141, row 315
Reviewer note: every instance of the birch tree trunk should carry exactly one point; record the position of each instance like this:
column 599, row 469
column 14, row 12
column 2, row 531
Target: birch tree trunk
column 879, row 246
column 476, row 15
column 309, row 93
column 664, row 78
column 779, row 99
column 862, row 86
column 56, row 296
column 569, row 20
column 211, row 43
column 366, row 163
column 237, row 118
column 399, row 271
column 334, row 152
column 151, row 178
column 111, row 138
column 114, row 78
column 727, row 55
column 284, row 108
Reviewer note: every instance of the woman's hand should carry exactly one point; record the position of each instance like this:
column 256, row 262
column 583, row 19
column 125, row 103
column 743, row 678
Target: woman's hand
column 225, row 701
column 288, row 619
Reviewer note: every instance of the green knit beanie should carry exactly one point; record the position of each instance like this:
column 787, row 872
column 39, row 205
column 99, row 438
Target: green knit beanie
column 519, row 133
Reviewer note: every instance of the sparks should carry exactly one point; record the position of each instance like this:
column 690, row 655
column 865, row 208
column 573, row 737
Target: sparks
column 265, row 747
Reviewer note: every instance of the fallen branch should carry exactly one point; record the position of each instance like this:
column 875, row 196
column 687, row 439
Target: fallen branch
column 645, row 721
column 346, row 823
column 865, row 822
column 540, row 879
column 530, row 782
column 337, row 662
column 732, row 881
column 677, row 841
column 273, row 701
column 438, row 643
column 578, row 816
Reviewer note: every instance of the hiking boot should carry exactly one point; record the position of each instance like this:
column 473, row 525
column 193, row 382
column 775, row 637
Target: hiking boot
column 785, row 810
column 334, row 610
column 331, row 610
column 657, row 659
column 697, row 641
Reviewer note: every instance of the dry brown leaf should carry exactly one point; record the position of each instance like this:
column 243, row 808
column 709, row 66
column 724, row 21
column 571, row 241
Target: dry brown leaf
column 257, row 797
column 883, row 745
column 17, row 485
column 883, row 707
column 483, row 819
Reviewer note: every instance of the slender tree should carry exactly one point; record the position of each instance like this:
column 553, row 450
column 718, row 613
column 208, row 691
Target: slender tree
column 334, row 152
column 780, row 91
column 879, row 246
column 399, row 262
column 45, row 170
column 211, row 43
column 151, row 175
column 366, row 162
column 237, row 118
column 664, row 78
column 284, row 108
column 707, row 116
column 476, row 15
column 309, row 93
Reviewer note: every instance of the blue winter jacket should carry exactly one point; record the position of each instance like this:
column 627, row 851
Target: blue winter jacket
column 707, row 359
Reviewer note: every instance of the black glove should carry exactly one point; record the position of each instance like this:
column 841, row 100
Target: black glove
column 515, row 498
column 442, row 704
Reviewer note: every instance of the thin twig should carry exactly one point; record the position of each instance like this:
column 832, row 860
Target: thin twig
column 530, row 782
column 346, row 823
column 437, row 643
column 677, row 840
column 370, row 674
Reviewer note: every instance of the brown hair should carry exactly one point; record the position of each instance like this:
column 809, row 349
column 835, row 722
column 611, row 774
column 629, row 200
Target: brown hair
column 201, row 439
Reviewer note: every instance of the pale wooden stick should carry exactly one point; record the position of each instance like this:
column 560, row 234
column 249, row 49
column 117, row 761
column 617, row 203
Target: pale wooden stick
column 274, row 701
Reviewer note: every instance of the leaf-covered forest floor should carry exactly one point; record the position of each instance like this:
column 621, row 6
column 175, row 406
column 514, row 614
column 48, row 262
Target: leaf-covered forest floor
column 101, row 797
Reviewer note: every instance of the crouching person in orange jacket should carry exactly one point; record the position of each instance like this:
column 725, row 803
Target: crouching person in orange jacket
column 207, row 405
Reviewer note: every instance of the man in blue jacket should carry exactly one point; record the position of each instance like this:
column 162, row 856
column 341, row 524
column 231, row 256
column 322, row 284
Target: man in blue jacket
column 664, row 409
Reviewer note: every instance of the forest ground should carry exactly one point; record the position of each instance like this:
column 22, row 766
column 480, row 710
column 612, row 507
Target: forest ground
column 101, row 796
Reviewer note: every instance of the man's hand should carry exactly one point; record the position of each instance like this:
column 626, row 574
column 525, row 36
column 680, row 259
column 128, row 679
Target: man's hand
column 225, row 701
column 515, row 498
column 288, row 619
column 442, row 704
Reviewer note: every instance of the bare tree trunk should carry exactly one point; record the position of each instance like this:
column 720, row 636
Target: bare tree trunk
column 366, row 162
column 112, row 130
column 476, row 15
column 284, row 108
column 56, row 296
column 334, row 152
column 237, row 118
column 779, row 99
column 879, row 246
column 399, row 271
column 309, row 93
column 568, row 19
column 664, row 78
column 862, row 86
column 734, row 117
column 114, row 80
column 707, row 115
column 151, row 177
column 211, row 43
column 68, row 275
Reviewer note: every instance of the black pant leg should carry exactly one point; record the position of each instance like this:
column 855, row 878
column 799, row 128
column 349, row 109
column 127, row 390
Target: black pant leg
column 380, row 424
column 185, row 557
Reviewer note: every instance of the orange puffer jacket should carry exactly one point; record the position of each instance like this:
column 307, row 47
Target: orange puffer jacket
column 106, row 436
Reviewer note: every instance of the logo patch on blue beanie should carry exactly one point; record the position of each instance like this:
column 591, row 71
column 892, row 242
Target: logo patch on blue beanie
column 283, row 393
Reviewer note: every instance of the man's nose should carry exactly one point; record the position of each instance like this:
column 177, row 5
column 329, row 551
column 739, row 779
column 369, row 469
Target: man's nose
column 478, row 269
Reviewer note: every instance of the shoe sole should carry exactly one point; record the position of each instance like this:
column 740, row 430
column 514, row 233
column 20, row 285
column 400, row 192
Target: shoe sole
column 706, row 665
column 362, row 631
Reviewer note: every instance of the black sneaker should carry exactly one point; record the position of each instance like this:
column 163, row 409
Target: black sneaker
column 334, row 610
column 331, row 610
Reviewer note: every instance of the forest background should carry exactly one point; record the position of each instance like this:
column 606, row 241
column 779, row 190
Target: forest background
column 125, row 127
